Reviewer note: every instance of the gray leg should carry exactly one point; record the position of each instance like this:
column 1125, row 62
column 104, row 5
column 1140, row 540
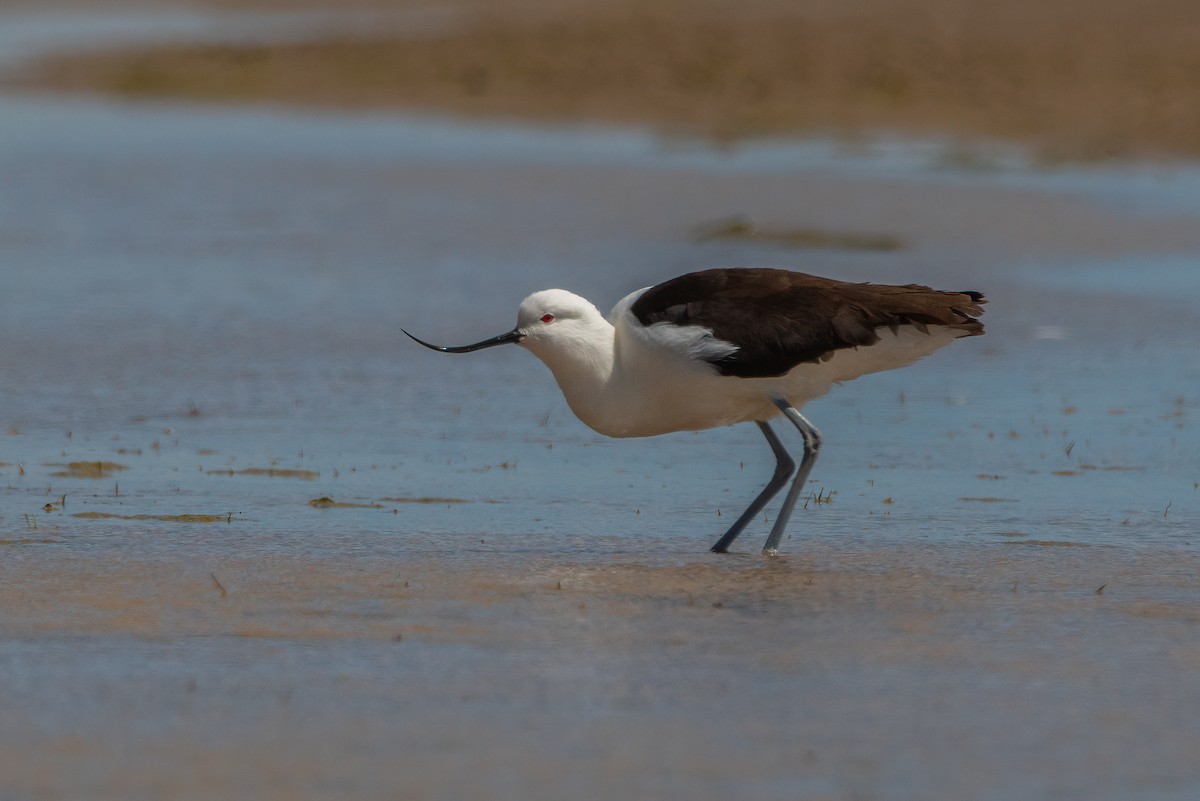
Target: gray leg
column 784, row 465
column 812, row 446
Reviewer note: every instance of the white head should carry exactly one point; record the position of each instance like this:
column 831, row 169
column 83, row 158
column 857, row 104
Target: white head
column 554, row 321
column 553, row 325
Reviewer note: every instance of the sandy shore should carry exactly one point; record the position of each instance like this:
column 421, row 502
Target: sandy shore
column 834, row 675
column 1075, row 79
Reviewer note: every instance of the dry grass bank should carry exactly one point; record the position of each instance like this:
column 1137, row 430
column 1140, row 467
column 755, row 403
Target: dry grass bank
column 1077, row 79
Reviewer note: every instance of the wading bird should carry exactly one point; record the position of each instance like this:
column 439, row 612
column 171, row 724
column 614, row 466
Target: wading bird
column 728, row 346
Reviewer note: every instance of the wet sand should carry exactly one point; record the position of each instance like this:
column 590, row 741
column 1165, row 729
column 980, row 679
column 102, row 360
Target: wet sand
column 890, row 672
column 999, row 601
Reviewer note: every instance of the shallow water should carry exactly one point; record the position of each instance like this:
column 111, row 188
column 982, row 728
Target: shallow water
column 195, row 292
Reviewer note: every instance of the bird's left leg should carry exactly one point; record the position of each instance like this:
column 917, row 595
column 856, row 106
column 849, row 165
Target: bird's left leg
column 783, row 468
column 812, row 447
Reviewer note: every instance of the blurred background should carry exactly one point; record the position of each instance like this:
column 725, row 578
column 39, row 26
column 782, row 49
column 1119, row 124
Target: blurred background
column 255, row 543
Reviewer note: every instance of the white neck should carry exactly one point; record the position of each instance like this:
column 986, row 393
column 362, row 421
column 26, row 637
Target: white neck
column 582, row 363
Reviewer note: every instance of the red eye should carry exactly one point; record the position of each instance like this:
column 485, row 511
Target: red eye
column 547, row 318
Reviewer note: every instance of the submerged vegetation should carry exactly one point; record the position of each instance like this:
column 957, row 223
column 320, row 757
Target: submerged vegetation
column 88, row 469
column 742, row 229
column 326, row 502
column 186, row 518
column 271, row 472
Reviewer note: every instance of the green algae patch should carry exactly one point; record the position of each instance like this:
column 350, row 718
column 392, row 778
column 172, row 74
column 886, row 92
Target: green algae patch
column 743, row 229
column 88, row 469
column 330, row 503
column 425, row 500
column 272, row 472
column 160, row 518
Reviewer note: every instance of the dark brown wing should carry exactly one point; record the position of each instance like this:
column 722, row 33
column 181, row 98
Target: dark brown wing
column 778, row 318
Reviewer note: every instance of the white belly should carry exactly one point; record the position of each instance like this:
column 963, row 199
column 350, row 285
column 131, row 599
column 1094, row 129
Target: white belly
column 655, row 391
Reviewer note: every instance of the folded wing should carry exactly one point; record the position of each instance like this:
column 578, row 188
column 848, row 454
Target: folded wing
column 778, row 319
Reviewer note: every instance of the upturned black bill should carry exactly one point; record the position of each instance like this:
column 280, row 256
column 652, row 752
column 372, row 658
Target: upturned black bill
column 512, row 336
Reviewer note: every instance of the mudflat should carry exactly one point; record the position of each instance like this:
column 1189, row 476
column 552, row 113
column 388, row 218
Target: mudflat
column 1074, row 79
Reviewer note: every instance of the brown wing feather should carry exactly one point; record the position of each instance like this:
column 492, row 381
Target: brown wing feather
column 779, row 319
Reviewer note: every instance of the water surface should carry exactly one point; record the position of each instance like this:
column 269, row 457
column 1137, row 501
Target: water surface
column 212, row 299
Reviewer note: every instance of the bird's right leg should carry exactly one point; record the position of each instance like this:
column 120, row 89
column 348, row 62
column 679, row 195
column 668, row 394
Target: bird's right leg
column 784, row 467
column 812, row 447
